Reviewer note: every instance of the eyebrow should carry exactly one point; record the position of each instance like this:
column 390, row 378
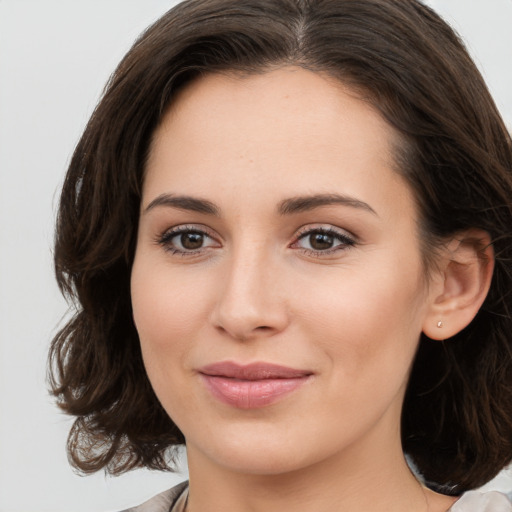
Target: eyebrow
column 287, row 207
column 305, row 203
column 193, row 204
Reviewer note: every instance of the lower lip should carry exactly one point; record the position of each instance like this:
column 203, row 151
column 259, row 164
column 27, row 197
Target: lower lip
column 251, row 394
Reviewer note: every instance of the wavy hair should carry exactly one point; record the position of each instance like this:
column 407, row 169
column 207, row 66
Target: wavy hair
column 455, row 153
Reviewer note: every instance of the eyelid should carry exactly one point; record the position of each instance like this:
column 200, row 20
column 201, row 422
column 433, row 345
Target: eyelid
column 164, row 237
column 344, row 237
column 180, row 228
column 347, row 238
column 324, row 228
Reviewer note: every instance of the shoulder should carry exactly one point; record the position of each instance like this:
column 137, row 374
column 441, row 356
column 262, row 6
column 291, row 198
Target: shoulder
column 162, row 502
column 475, row 501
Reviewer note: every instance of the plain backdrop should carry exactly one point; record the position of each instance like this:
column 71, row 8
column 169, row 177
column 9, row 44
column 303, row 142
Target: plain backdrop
column 55, row 57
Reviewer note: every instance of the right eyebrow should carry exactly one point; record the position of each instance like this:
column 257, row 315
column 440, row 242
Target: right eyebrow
column 189, row 203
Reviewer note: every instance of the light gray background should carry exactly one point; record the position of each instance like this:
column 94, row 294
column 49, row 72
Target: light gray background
column 55, row 57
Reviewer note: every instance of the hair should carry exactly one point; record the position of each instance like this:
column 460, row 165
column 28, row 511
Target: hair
column 455, row 153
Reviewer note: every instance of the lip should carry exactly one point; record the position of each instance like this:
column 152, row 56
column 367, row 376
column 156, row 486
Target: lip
column 254, row 385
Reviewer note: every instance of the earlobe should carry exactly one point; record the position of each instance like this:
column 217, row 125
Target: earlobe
column 465, row 268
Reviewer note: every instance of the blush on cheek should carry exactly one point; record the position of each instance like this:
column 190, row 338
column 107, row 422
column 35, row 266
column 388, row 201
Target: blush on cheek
column 363, row 328
column 161, row 310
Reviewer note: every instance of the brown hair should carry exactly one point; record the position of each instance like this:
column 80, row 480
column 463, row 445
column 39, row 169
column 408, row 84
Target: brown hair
column 456, row 155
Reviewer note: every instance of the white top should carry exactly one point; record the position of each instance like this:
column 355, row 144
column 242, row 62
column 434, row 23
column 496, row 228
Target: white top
column 475, row 501
column 175, row 500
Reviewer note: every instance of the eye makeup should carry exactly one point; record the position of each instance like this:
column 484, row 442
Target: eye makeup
column 189, row 240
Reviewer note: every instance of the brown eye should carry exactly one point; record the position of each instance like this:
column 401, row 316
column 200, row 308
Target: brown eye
column 321, row 241
column 184, row 240
column 192, row 240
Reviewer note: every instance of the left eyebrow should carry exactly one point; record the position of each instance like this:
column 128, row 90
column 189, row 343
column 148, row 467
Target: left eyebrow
column 305, row 203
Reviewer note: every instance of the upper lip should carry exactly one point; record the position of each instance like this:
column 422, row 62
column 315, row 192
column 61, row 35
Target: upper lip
column 253, row 371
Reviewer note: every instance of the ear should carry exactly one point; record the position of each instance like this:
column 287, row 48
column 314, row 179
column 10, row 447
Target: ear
column 461, row 284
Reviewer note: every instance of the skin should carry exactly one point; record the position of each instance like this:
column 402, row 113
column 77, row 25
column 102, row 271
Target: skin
column 254, row 290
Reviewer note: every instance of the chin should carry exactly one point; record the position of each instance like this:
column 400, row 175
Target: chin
column 257, row 452
column 261, row 461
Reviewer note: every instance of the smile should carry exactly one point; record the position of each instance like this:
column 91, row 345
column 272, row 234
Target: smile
column 251, row 386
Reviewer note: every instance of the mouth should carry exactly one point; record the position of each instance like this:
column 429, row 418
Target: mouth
column 252, row 386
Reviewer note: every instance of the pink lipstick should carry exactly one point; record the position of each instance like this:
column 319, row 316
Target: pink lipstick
column 251, row 386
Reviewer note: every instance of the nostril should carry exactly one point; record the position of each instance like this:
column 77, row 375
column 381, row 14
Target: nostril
column 248, row 315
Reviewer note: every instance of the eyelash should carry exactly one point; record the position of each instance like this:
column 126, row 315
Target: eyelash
column 165, row 240
column 346, row 241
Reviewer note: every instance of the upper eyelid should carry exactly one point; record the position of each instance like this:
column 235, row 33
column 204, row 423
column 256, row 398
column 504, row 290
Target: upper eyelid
column 306, row 228
column 328, row 228
column 346, row 238
column 298, row 234
column 179, row 228
column 164, row 237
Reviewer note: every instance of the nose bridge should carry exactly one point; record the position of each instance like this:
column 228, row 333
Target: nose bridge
column 249, row 302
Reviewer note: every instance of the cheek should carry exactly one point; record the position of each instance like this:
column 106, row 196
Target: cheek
column 166, row 305
column 167, row 311
column 371, row 320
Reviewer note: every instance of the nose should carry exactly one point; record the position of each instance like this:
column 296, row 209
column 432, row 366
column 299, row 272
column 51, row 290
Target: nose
column 252, row 300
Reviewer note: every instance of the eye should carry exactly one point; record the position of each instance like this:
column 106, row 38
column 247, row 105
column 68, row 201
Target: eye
column 186, row 240
column 320, row 241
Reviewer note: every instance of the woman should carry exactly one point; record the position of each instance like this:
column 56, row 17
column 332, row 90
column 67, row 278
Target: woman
column 287, row 228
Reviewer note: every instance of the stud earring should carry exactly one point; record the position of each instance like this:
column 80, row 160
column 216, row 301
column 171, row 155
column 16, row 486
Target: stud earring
column 439, row 324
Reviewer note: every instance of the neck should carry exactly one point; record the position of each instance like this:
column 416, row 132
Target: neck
column 373, row 480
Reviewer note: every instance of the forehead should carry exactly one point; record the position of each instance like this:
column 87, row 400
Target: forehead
column 287, row 129
column 317, row 104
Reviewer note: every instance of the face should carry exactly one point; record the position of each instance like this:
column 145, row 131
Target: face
column 278, row 287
